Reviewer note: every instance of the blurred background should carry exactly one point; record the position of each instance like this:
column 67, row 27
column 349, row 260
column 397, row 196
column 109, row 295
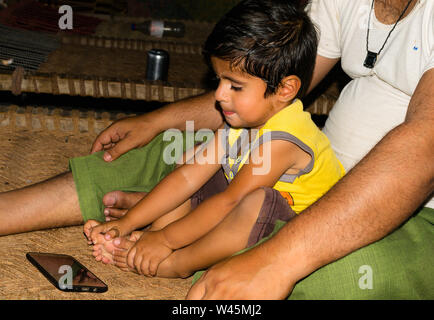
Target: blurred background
column 30, row 38
column 201, row 10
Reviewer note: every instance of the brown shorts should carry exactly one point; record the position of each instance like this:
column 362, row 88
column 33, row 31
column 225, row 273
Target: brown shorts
column 274, row 207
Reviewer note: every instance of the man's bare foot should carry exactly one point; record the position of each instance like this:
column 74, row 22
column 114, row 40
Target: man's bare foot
column 117, row 203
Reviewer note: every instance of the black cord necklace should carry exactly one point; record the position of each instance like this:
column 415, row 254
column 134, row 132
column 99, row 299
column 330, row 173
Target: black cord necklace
column 371, row 57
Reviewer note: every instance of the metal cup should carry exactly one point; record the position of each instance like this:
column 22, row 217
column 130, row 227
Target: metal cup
column 157, row 65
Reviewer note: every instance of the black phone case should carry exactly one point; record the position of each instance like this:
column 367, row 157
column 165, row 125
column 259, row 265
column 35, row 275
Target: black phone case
column 75, row 288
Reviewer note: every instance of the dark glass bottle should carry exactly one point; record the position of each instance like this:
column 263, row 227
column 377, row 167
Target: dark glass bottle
column 159, row 28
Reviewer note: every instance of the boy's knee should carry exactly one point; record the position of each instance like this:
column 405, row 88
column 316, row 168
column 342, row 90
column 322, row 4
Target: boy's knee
column 252, row 201
column 171, row 268
column 256, row 196
column 183, row 272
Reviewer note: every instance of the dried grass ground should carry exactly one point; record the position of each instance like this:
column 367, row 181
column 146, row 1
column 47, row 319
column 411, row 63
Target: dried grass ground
column 36, row 144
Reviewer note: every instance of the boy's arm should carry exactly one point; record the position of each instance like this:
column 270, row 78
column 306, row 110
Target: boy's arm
column 281, row 155
column 134, row 132
column 167, row 195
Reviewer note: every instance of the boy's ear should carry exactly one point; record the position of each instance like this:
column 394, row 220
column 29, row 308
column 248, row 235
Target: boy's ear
column 289, row 88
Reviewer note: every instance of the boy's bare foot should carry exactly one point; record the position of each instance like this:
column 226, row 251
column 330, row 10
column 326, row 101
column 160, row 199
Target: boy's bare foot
column 103, row 250
column 106, row 252
column 166, row 269
column 117, row 203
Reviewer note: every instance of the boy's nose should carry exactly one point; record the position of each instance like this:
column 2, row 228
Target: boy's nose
column 220, row 93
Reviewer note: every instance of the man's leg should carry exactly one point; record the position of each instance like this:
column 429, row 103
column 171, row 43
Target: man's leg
column 399, row 266
column 48, row 204
column 117, row 203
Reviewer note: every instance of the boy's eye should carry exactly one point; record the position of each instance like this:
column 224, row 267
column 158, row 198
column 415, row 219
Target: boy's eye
column 216, row 81
column 236, row 88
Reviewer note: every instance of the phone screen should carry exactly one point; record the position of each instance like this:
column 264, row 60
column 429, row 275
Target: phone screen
column 66, row 273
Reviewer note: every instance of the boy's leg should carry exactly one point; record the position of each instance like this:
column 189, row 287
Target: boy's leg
column 48, row 204
column 171, row 216
column 252, row 219
column 216, row 184
column 104, row 251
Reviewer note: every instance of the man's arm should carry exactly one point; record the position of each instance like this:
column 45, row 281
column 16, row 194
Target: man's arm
column 372, row 200
column 133, row 132
column 323, row 66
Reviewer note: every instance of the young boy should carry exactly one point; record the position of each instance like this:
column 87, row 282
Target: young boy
column 276, row 161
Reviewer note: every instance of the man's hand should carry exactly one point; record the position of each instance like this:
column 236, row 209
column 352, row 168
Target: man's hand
column 148, row 252
column 251, row 275
column 124, row 135
column 135, row 132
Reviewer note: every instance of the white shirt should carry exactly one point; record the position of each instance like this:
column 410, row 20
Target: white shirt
column 376, row 100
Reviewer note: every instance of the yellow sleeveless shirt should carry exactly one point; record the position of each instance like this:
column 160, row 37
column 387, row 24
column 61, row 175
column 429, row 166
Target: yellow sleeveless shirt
column 294, row 125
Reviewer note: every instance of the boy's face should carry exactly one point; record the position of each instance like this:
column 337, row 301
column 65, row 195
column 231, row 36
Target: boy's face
column 241, row 97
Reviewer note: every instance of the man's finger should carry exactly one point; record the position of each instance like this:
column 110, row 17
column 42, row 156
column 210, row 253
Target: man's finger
column 119, row 149
column 103, row 139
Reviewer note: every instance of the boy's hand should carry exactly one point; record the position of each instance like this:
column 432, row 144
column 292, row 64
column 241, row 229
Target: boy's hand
column 147, row 254
column 87, row 229
column 110, row 230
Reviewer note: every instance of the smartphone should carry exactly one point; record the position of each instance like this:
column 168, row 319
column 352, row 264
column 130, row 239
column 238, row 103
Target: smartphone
column 66, row 273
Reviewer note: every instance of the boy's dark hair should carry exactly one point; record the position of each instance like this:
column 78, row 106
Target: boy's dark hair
column 269, row 39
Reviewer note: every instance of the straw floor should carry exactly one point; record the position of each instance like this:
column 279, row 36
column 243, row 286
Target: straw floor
column 36, row 144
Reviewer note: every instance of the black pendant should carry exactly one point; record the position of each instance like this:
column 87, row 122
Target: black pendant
column 370, row 59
